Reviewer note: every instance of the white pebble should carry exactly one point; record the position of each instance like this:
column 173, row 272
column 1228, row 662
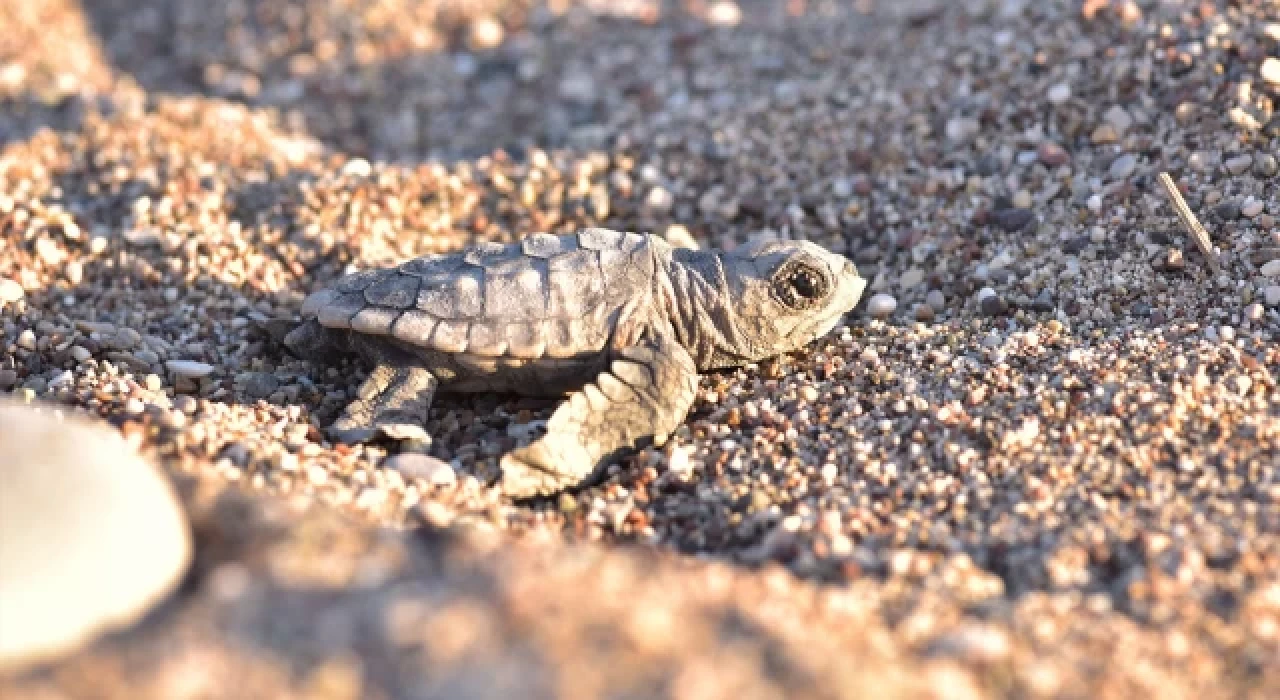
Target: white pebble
column 10, row 291
column 659, row 199
column 962, row 129
column 724, row 14
column 1254, row 312
column 61, row 379
column 357, row 167
column 679, row 462
column 27, row 340
column 882, row 305
column 189, row 369
column 1271, row 294
column 1270, row 70
column 432, row 470
column 1059, row 93
column 80, row 354
column 1094, row 203
column 1271, row 269
column 1251, row 208
column 91, row 535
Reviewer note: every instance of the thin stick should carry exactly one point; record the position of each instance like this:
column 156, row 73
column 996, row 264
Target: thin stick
column 1190, row 222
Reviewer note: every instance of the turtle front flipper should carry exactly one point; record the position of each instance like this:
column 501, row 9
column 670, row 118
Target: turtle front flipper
column 394, row 401
column 647, row 390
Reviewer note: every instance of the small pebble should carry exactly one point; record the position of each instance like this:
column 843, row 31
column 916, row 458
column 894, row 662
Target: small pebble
column 1238, row 165
column 127, row 339
column 882, row 305
column 80, row 354
column 432, row 470
column 911, row 278
column 1013, row 219
column 1251, row 208
column 189, row 369
column 1265, row 165
column 1271, row 269
column 1051, row 154
column 1270, row 70
column 1123, row 166
column 678, row 236
column 936, row 299
column 486, row 33
column 357, row 167
column 961, row 130
column 10, row 291
column 1271, row 295
column 1119, row 118
column 679, row 462
column 1059, row 93
column 724, row 13
column 27, row 339
column 258, row 385
column 1254, row 312
column 993, row 305
column 1104, row 134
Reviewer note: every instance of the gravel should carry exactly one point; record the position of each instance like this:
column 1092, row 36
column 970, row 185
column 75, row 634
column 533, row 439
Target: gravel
column 1076, row 496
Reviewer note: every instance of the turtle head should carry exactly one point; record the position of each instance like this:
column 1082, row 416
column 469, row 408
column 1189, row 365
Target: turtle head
column 785, row 294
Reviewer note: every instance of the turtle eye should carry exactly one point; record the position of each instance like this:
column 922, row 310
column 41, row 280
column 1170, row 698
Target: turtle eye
column 806, row 285
column 800, row 285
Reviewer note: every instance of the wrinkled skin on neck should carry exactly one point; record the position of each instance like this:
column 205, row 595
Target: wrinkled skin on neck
column 730, row 309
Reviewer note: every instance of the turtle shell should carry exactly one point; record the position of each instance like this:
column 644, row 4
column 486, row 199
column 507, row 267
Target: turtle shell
column 543, row 297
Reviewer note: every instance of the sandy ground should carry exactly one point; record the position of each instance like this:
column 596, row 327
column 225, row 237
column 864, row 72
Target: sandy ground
column 1043, row 463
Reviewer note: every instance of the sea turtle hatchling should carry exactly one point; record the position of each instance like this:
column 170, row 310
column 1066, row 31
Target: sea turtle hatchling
column 620, row 323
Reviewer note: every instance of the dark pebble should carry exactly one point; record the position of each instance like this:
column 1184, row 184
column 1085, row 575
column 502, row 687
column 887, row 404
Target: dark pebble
column 1227, row 211
column 1075, row 245
column 1012, row 219
column 1043, row 301
column 994, row 305
column 260, row 385
column 1141, row 309
column 987, row 166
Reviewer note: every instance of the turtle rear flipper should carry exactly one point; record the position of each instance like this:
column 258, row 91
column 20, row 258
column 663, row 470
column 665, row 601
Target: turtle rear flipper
column 393, row 402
